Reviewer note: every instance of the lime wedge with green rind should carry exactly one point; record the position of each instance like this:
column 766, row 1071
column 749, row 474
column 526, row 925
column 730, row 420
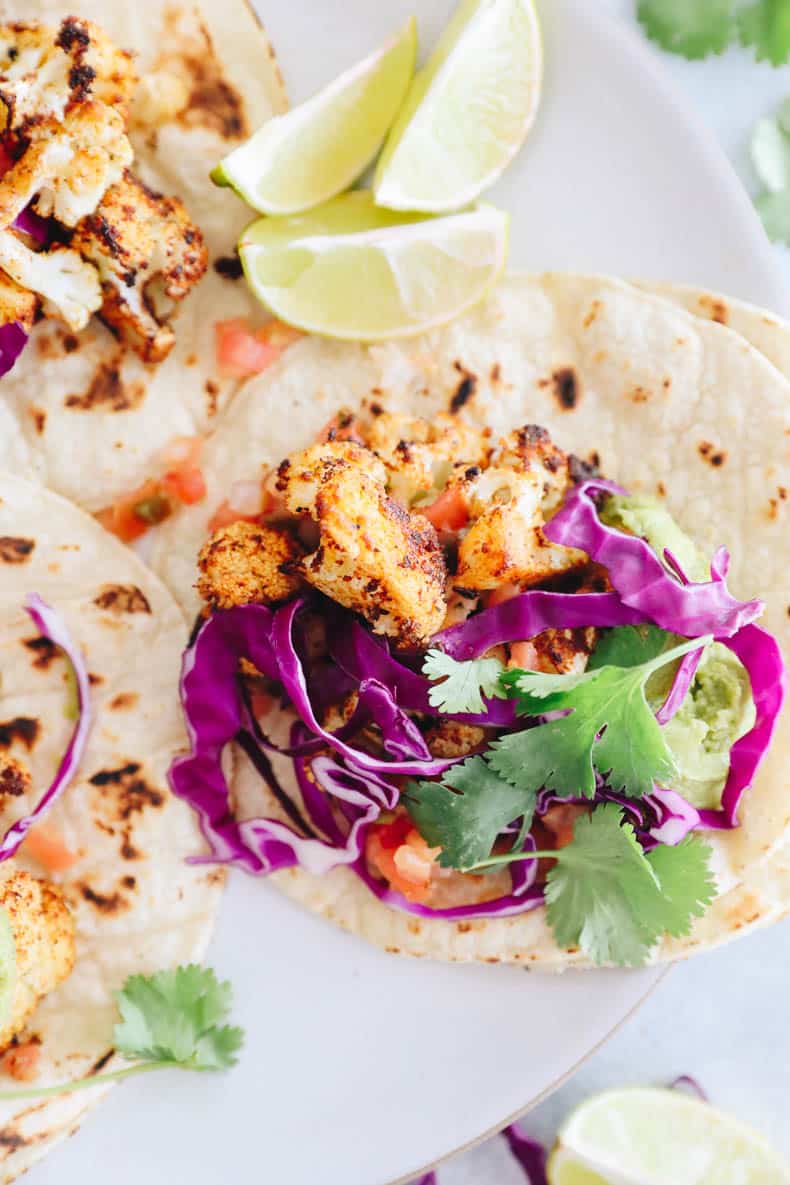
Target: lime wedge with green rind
column 303, row 158
column 351, row 270
column 644, row 1136
column 468, row 111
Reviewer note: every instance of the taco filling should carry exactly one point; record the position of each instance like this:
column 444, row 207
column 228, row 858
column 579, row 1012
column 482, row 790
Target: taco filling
column 80, row 234
column 481, row 677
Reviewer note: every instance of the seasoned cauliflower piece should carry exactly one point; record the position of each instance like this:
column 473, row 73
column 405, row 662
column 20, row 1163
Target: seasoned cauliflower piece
column 245, row 563
column 43, row 931
column 420, row 454
column 372, row 555
column 69, row 286
column 450, row 738
column 16, row 304
column 149, row 255
column 68, row 166
column 531, row 449
column 505, row 543
column 44, row 70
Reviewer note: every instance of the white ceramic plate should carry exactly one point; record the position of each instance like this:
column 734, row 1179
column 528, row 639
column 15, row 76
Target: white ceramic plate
column 360, row 1068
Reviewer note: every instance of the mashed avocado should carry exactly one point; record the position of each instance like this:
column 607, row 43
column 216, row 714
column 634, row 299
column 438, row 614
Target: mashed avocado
column 640, row 514
column 719, row 707
column 717, row 711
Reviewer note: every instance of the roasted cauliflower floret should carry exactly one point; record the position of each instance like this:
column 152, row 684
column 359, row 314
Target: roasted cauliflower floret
column 45, row 69
column 245, row 563
column 16, row 304
column 453, row 739
column 68, row 166
column 68, row 285
column 531, row 449
column 149, row 255
column 43, row 931
column 372, row 555
column 505, row 543
column 419, row 454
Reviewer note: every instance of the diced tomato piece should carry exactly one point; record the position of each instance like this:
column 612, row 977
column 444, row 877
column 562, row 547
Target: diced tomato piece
column 186, row 485
column 45, row 844
column 240, row 352
column 394, row 834
column 402, row 857
column 21, row 1061
column 448, row 512
column 132, row 515
column 523, row 656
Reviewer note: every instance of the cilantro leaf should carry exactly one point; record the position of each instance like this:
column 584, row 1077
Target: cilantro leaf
column 463, row 683
column 687, row 884
column 630, row 646
column 609, row 727
column 765, row 25
column 175, row 1017
column 607, row 897
column 464, row 814
column 691, row 28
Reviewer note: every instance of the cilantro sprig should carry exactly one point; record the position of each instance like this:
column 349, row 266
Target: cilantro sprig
column 613, row 900
column 608, row 726
column 770, row 150
column 463, row 684
column 696, row 28
column 170, row 1020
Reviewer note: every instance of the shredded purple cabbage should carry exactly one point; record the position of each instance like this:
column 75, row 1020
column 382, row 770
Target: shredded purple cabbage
column 641, row 579
column 689, row 1085
column 760, row 654
column 52, row 626
column 529, row 1154
column 684, row 677
column 31, row 223
column 13, row 339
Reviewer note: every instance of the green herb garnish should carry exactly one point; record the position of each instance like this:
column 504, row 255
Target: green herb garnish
column 170, row 1020
column 463, row 683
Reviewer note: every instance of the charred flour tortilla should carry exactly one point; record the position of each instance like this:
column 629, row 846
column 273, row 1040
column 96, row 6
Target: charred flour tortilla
column 667, row 403
column 78, row 412
column 137, row 905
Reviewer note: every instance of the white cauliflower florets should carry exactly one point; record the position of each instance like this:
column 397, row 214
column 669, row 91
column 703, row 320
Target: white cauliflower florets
column 68, row 285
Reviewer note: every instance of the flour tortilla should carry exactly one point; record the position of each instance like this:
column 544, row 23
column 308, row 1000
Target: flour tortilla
column 90, row 422
column 672, row 404
column 138, row 906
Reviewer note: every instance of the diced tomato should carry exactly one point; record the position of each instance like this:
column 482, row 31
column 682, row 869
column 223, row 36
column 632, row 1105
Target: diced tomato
column 45, row 844
column 448, row 512
column 402, row 857
column 186, row 485
column 261, row 703
column 21, row 1061
column 240, row 352
column 134, row 513
column 523, row 656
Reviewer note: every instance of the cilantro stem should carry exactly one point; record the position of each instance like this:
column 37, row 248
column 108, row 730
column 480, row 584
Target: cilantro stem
column 661, row 660
column 508, row 858
column 42, row 1092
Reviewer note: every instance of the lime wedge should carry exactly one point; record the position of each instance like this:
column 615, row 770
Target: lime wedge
column 320, row 148
column 7, row 968
column 468, row 110
column 351, row 270
column 659, row 1137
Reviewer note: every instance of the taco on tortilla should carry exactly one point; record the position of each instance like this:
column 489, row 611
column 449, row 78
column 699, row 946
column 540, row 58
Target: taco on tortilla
column 117, row 254
column 503, row 694
column 93, row 881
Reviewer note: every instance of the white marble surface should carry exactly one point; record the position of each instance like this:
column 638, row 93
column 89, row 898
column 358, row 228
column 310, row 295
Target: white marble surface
column 722, row 1017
